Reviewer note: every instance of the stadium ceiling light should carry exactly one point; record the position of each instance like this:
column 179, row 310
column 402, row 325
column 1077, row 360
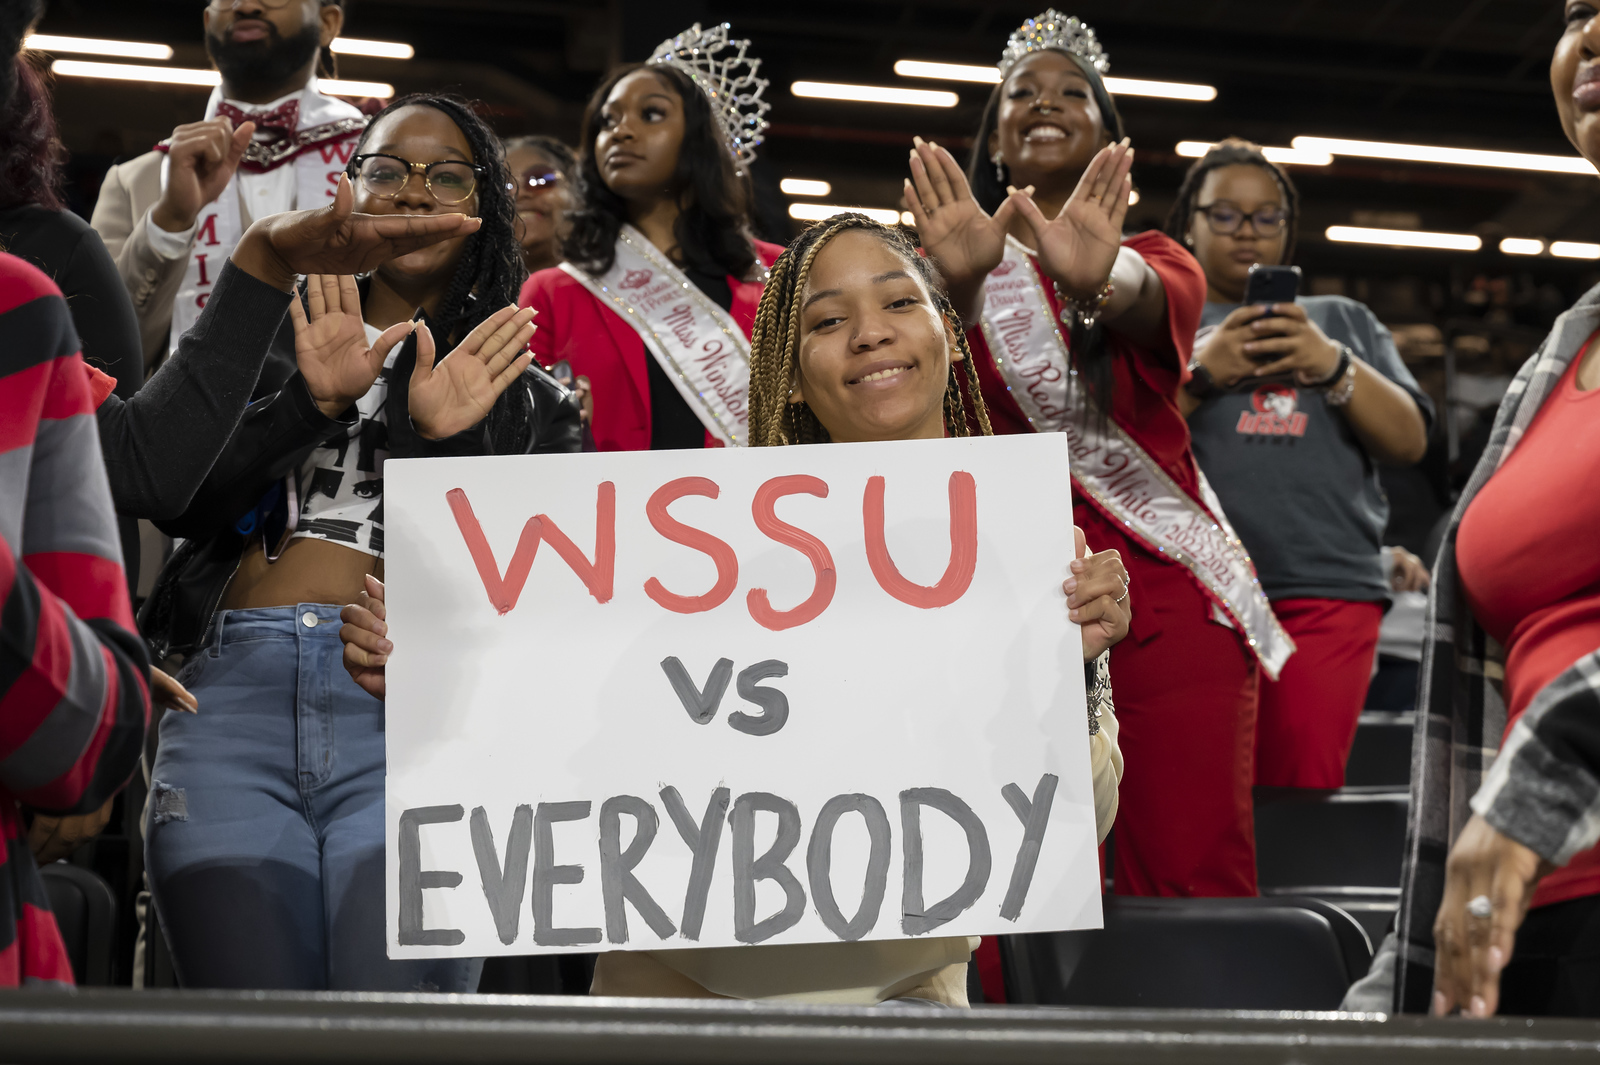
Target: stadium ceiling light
column 1568, row 249
column 874, row 94
column 793, row 186
column 1522, row 246
column 1171, row 90
column 377, row 49
column 360, row 89
column 1289, row 156
column 1418, row 153
column 1404, row 238
column 818, row 212
column 80, row 68
column 45, row 42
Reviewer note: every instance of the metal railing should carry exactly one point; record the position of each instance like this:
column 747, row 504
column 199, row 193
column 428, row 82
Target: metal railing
column 173, row 1028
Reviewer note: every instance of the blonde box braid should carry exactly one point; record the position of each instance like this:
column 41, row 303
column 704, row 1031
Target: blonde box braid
column 775, row 341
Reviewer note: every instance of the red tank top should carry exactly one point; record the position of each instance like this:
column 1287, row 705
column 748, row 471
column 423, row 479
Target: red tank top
column 1527, row 559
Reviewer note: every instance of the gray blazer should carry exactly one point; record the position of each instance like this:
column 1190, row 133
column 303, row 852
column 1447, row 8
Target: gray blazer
column 129, row 192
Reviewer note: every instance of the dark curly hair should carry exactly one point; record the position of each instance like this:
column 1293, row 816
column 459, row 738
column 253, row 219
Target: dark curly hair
column 1233, row 152
column 713, row 230
column 551, row 148
column 490, row 272
column 31, row 154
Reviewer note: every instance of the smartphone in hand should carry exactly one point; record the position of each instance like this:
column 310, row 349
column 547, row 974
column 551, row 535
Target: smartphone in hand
column 1272, row 284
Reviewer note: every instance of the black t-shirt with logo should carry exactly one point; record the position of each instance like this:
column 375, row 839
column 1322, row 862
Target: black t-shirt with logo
column 1295, row 482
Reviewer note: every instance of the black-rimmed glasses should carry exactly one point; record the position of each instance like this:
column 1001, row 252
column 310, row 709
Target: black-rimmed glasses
column 386, row 176
column 1225, row 218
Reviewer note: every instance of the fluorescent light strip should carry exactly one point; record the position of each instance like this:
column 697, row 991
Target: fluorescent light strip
column 1171, row 90
column 377, row 49
column 818, row 212
column 1404, row 238
column 874, row 94
column 1418, row 153
column 1522, row 246
column 44, row 42
column 793, row 186
column 1568, row 249
column 1290, row 156
column 79, row 68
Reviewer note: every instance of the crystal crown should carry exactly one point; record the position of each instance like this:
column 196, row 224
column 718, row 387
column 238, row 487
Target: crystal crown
column 727, row 75
column 1052, row 29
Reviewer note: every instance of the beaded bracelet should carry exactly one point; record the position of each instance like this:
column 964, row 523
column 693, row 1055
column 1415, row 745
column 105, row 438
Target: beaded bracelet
column 1338, row 395
column 1087, row 311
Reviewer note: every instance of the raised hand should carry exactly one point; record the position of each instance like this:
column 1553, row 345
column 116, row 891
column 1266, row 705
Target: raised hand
column 955, row 230
column 1079, row 246
column 335, row 240
column 330, row 343
column 365, row 637
column 458, row 392
column 201, row 159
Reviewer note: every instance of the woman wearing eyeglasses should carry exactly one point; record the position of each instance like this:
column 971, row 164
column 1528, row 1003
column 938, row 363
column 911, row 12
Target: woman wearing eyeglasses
column 265, row 832
column 1289, row 406
column 541, row 174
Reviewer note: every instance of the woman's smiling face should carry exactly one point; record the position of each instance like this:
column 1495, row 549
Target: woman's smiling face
column 875, row 351
column 1048, row 120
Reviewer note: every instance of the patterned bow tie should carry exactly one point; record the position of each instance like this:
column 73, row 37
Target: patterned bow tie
column 276, row 124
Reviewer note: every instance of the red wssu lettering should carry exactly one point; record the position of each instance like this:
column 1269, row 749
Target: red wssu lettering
column 599, row 576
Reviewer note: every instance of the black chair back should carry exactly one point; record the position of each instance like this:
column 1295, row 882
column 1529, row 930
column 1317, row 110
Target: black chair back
column 86, row 913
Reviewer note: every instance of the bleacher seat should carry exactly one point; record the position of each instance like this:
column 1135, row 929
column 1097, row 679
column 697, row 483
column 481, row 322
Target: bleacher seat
column 86, row 913
column 1265, row 953
column 1381, row 754
column 1353, row 837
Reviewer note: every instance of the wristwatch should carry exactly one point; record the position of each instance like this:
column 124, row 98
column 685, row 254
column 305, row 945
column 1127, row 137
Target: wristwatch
column 1200, row 385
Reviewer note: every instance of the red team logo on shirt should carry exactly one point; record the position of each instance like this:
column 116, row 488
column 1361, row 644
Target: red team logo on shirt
column 1272, row 413
column 636, row 279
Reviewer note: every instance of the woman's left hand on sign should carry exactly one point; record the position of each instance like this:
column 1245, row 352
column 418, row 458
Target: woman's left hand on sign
column 1098, row 597
column 365, row 636
column 330, row 343
column 1472, row 949
column 1291, row 341
column 458, row 392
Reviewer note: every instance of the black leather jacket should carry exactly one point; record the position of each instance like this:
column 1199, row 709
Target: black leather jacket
column 279, row 430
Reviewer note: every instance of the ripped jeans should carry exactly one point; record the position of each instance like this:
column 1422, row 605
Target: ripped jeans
column 265, row 830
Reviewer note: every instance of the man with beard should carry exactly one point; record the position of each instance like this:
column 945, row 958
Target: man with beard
column 270, row 142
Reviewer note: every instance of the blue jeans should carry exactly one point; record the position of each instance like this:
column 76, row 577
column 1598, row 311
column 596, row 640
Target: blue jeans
column 264, row 835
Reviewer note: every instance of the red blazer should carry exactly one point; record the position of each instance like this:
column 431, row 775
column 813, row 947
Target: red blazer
column 574, row 325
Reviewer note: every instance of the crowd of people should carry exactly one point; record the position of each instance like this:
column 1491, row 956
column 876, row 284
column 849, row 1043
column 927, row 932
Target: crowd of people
column 288, row 291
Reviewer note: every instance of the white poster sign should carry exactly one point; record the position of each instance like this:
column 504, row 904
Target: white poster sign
column 707, row 698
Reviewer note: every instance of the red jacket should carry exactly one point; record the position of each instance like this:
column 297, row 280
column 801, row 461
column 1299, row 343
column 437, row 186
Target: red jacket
column 574, row 325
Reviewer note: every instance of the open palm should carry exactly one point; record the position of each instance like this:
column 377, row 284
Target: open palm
column 955, row 229
column 336, row 240
column 458, row 392
column 1079, row 246
column 330, row 342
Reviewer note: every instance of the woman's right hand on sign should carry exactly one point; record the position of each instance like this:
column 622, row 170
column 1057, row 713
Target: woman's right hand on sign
column 330, row 343
column 1097, row 597
column 365, row 637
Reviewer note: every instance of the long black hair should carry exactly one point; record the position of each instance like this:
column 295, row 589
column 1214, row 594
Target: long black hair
column 31, row 154
column 1233, row 152
column 549, row 147
column 713, row 226
column 490, row 273
column 1090, row 356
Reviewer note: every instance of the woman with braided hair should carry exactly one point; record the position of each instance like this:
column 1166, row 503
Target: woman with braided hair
column 265, row 833
column 1291, row 407
column 854, row 340
column 655, row 300
column 1075, row 330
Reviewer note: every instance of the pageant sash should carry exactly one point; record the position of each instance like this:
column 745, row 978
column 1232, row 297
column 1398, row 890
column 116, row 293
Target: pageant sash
column 1114, row 472
column 698, row 344
column 319, row 153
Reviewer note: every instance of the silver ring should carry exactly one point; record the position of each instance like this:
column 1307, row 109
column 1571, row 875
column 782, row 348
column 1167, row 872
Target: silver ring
column 1124, row 596
column 1481, row 908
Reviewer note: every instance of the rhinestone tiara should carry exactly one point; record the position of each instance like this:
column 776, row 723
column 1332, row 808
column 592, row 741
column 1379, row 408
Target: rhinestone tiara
column 727, row 75
column 1053, row 30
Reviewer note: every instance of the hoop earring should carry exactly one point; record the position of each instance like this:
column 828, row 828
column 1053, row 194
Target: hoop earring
column 999, row 168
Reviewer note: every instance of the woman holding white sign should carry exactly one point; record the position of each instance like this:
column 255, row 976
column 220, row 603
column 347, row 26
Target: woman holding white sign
column 1075, row 330
column 854, row 341
column 656, row 299
column 265, row 832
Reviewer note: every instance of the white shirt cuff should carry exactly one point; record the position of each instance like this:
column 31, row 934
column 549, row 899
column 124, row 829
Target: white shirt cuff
column 168, row 245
